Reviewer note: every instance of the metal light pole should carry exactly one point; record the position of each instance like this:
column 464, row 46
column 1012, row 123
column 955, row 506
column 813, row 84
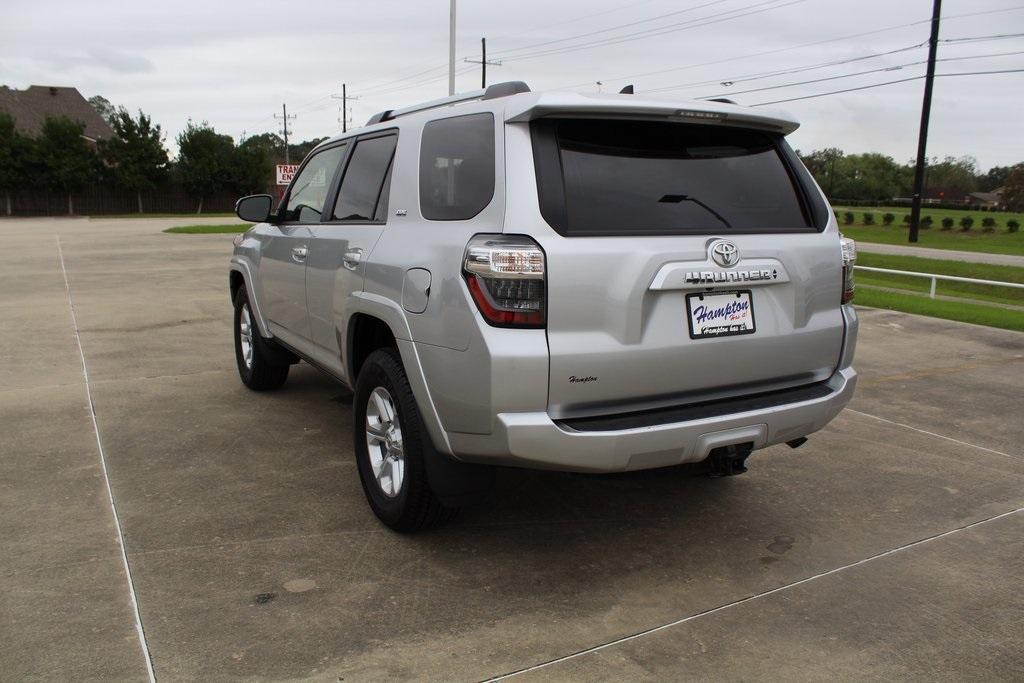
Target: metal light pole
column 926, row 109
column 451, row 49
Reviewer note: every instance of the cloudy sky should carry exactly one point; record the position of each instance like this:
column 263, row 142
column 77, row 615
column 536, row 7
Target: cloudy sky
column 233, row 62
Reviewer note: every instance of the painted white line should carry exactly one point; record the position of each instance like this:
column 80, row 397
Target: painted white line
column 106, row 477
column 749, row 598
column 937, row 436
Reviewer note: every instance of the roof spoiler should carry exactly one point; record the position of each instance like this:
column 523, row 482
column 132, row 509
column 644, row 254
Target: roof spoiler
column 694, row 111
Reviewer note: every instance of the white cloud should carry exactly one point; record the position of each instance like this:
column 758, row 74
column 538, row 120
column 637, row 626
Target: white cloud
column 234, row 62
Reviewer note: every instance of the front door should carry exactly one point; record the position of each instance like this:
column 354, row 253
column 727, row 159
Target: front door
column 343, row 242
column 286, row 247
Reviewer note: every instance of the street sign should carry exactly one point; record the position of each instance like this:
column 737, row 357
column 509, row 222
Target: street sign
column 285, row 173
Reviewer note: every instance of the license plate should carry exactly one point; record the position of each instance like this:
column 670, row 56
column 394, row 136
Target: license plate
column 720, row 314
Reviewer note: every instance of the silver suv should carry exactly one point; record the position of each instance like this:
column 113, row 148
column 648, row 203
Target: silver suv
column 591, row 283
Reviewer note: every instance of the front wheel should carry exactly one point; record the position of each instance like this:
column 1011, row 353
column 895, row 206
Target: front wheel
column 391, row 447
column 261, row 366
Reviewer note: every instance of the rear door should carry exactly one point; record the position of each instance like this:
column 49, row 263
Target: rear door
column 688, row 262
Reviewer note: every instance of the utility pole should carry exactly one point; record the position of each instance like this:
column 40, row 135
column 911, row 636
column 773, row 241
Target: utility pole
column 285, row 119
column 344, row 106
column 926, row 110
column 451, row 48
column 483, row 62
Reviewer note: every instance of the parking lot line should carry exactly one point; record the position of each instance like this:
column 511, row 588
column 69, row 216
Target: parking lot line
column 938, row 436
column 106, row 477
column 757, row 596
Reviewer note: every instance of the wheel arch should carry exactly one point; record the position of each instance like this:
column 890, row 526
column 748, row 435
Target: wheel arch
column 241, row 275
column 381, row 320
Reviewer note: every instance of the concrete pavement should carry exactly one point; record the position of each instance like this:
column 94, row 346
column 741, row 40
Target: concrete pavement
column 888, row 546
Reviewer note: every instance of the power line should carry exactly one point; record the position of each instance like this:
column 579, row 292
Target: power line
column 878, row 85
column 756, row 8
column 815, row 43
column 782, row 72
column 612, row 28
column 862, row 73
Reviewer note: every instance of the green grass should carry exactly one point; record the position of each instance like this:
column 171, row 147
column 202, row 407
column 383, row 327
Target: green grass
column 981, row 271
column 210, row 229
column 979, row 314
column 998, row 242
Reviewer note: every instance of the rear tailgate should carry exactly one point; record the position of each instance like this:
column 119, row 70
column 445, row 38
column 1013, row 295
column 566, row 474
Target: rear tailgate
column 648, row 213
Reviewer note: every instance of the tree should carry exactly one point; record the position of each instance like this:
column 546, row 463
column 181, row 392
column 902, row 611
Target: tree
column 103, row 107
column 254, row 162
column 206, row 161
column 136, row 153
column 954, row 177
column 870, row 176
column 16, row 159
column 298, row 152
column 994, row 179
column 67, row 159
column 822, row 165
column 1013, row 192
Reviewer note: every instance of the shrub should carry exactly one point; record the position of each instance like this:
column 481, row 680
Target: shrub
column 1012, row 226
column 869, row 218
column 906, row 218
column 988, row 223
column 965, row 223
column 888, row 218
column 947, row 223
column 926, row 222
column 848, row 217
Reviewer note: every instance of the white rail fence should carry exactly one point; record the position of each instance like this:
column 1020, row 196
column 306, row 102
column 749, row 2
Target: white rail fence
column 935, row 277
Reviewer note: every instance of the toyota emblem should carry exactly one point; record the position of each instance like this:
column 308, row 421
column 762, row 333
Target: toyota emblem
column 724, row 253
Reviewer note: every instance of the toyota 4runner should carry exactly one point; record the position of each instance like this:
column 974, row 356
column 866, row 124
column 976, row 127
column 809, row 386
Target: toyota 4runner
column 591, row 283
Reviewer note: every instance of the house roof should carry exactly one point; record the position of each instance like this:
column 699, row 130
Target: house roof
column 30, row 108
column 991, row 197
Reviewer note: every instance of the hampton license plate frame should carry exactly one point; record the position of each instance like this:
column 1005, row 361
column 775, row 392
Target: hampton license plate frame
column 720, row 314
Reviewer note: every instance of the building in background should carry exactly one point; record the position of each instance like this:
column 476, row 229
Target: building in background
column 31, row 107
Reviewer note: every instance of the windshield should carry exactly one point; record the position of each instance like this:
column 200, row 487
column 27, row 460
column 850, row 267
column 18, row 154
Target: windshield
column 614, row 177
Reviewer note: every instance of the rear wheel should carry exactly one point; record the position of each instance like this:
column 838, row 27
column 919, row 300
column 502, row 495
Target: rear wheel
column 261, row 365
column 392, row 446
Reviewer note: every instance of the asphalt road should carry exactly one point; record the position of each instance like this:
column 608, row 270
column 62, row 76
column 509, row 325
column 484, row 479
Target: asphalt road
column 889, row 546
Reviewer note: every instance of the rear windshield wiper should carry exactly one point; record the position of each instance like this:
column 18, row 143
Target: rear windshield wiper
column 676, row 198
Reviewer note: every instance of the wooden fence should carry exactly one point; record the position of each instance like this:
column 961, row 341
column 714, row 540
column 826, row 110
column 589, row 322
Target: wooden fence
column 103, row 201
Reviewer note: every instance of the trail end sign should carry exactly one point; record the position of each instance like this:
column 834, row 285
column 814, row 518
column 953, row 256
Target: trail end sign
column 285, row 173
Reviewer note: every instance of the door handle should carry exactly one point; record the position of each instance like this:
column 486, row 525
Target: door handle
column 299, row 254
column 351, row 258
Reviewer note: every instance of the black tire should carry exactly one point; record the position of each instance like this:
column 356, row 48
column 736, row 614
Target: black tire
column 268, row 368
column 415, row 506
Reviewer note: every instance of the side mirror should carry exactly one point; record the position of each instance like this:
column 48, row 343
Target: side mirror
column 255, row 208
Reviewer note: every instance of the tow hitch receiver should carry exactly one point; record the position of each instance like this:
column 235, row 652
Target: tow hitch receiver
column 728, row 461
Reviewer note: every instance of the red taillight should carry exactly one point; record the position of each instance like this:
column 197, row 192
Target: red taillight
column 505, row 277
column 849, row 252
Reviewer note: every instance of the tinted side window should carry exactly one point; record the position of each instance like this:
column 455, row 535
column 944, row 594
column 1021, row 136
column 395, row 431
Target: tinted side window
column 457, row 167
column 361, row 188
column 308, row 192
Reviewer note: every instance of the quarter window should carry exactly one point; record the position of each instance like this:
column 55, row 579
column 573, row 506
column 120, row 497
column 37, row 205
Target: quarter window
column 363, row 193
column 457, row 167
column 308, row 192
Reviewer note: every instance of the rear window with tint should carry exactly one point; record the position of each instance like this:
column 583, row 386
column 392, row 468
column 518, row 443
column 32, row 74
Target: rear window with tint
column 457, row 167
column 608, row 177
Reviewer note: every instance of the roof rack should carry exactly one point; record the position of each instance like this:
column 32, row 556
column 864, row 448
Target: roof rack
column 489, row 93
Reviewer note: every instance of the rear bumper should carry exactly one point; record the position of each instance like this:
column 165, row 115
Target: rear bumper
column 534, row 440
